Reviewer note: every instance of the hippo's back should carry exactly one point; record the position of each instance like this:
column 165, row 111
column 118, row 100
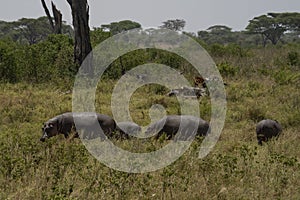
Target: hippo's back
column 129, row 127
column 186, row 124
column 268, row 127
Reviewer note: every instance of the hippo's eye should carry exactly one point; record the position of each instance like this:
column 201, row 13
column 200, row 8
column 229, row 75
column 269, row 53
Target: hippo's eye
column 49, row 126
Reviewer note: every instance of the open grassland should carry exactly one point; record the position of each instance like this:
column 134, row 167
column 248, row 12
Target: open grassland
column 261, row 85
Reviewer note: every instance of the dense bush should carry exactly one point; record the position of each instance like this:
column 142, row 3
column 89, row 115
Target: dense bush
column 42, row 62
column 8, row 64
column 231, row 50
column 293, row 58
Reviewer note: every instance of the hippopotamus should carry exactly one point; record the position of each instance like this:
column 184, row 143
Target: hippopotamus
column 185, row 124
column 266, row 129
column 128, row 128
column 63, row 124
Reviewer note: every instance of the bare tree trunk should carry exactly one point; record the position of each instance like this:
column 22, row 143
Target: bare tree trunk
column 264, row 40
column 80, row 14
column 57, row 26
column 48, row 14
column 58, row 19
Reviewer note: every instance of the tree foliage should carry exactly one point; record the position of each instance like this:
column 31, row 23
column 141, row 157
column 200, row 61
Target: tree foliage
column 175, row 25
column 32, row 30
column 217, row 34
column 30, row 53
column 118, row 27
column 272, row 26
column 98, row 35
column 29, row 30
column 8, row 61
column 48, row 60
column 219, row 29
column 291, row 21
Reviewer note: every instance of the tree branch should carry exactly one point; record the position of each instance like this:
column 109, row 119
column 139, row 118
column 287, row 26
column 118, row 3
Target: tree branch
column 57, row 18
column 48, row 14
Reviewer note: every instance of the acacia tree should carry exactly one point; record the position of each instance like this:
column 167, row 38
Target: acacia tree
column 118, row 27
column 175, row 25
column 267, row 27
column 290, row 20
column 273, row 25
column 30, row 31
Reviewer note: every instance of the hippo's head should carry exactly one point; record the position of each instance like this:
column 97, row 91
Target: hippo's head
column 48, row 130
column 261, row 138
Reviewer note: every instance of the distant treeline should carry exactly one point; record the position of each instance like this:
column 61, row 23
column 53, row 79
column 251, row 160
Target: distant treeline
column 29, row 51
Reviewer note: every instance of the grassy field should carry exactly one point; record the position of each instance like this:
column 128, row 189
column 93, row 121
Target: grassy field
column 261, row 84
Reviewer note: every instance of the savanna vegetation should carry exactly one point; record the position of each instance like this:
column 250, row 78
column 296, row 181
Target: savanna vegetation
column 37, row 77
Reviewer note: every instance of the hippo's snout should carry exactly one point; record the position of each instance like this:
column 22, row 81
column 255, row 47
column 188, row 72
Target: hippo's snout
column 43, row 138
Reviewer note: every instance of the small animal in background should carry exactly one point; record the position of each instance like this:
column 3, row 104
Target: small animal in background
column 199, row 81
column 63, row 124
column 267, row 129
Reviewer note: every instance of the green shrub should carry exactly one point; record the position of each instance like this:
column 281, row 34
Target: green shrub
column 293, row 58
column 226, row 69
column 231, row 50
column 45, row 61
column 8, row 65
column 217, row 50
column 285, row 76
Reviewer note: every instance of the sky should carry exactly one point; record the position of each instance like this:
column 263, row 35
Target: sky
column 198, row 14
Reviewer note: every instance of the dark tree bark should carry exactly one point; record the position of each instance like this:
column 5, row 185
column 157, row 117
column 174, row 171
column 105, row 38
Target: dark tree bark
column 264, row 40
column 80, row 14
column 57, row 26
column 48, row 14
column 58, row 19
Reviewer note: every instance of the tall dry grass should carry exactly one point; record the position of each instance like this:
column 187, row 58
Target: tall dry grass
column 263, row 85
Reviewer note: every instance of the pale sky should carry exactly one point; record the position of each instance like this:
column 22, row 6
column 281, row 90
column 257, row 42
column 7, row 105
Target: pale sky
column 198, row 14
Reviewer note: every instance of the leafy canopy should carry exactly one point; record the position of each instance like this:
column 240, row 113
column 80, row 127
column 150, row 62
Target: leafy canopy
column 272, row 26
column 118, row 27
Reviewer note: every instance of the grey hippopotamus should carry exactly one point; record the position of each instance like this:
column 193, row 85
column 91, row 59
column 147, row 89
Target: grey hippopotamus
column 128, row 128
column 63, row 124
column 185, row 124
column 266, row 129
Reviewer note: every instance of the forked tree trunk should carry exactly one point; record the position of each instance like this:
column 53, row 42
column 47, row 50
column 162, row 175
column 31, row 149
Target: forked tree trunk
column 80, row 14
column 48, row 14
column 57, row 26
